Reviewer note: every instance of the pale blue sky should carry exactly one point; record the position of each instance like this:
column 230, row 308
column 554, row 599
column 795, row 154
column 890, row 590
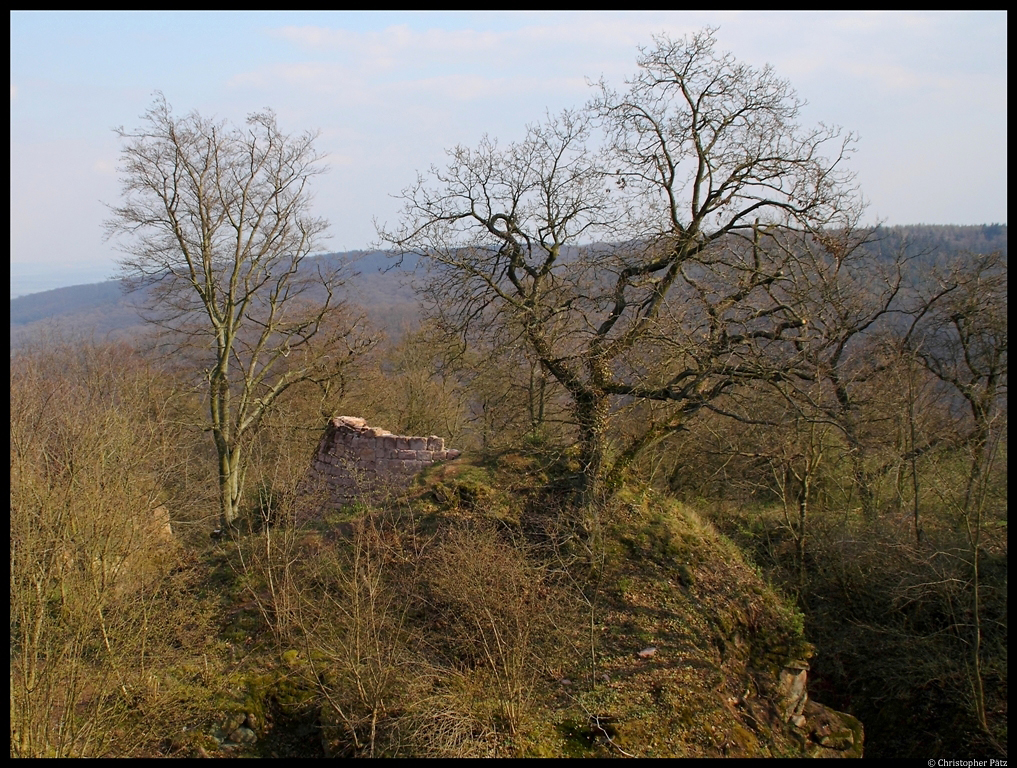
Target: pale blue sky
column 926, row 92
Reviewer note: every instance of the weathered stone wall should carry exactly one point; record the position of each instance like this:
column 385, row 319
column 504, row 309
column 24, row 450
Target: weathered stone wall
column 354, row 460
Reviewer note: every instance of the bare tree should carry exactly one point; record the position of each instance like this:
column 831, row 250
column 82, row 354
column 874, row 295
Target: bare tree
column 218, row 229
column 643, row 271
column 836, row 368
column 960, row 335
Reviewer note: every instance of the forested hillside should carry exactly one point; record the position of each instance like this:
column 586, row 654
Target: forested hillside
column 108, row 311
column 384, row 290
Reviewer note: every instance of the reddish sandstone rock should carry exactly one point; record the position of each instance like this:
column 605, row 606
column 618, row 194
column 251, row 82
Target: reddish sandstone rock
column 354, row 460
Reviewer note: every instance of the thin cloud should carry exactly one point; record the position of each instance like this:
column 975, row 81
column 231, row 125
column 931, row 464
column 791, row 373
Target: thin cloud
column 400, row 46
column 358, row 88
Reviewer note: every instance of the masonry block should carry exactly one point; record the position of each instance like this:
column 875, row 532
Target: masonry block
column 354, row 460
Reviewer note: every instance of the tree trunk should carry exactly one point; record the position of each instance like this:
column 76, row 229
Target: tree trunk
column 974, row 500
column 591, row 413
column 803, row 516
column 536, row 398
column 230, row 484
column 863, row 484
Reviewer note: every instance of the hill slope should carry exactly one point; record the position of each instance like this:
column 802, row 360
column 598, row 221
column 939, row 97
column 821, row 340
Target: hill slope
column 103, row 310
column 385, row 293
column 481, row 618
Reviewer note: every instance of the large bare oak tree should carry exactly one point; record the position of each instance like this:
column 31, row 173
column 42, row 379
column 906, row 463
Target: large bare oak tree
column 657, row 267
column 217, row 227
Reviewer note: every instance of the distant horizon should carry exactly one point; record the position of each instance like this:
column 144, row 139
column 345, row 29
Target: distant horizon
column 27, row 282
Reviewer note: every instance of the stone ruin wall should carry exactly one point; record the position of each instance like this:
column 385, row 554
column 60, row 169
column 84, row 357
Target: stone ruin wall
column 354, row 460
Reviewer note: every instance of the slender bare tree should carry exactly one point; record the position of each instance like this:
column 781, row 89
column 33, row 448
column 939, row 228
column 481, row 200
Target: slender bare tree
column 217, row 227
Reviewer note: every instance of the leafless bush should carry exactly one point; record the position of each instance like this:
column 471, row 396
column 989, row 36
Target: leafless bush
column 356, row 639
column 93, row 603
column 492, row 604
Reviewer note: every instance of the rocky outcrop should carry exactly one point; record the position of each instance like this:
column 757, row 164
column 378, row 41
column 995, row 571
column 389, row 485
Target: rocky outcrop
column 160, row 524
column 355, row 460
column 826, row 732
column 791, row 690
column 829, row 733
column 127, row 554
